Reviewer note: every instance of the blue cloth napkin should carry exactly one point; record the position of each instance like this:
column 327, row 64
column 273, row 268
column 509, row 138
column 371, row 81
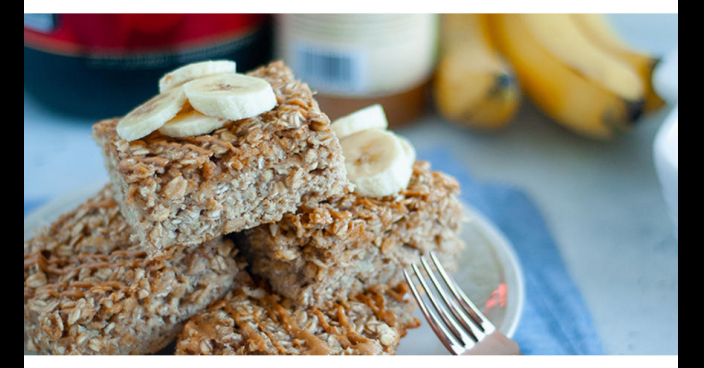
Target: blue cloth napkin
column 555, row 319
column 31, row 205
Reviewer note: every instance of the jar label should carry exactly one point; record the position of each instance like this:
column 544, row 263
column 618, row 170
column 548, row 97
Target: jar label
column 329, row 69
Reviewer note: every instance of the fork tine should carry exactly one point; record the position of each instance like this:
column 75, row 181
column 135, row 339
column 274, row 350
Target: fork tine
column 440, row 310
column 465, row 302
column 467, row 322
column 445, row 336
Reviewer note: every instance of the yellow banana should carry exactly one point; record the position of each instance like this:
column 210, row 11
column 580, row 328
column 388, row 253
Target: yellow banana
column 599, row 31
column 472, row 85
column 567, row 76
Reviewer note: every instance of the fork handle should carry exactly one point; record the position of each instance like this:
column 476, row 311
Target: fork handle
column 495, row 344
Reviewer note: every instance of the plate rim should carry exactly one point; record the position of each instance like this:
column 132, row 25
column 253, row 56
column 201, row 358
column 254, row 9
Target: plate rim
column 509, row 261
column 35, row 218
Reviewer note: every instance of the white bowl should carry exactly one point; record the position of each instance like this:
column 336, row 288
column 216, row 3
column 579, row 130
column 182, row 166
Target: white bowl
column 666, row 77
column 665, row 151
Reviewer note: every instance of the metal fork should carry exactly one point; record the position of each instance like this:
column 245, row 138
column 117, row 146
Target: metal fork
column 460, row 325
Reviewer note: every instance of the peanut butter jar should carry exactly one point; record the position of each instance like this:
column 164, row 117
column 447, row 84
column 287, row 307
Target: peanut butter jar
column 356, row 60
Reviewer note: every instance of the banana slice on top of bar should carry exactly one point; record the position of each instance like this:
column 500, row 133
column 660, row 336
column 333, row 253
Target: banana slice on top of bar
column 151, row 115
column 197, row 99
column 190, row 122
column 230, row 96
column 378, row 162
column 195, row 70
column 371, row 117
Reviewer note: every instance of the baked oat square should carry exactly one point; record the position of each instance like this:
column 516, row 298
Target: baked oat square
column 249, row 172
column 251, row 320
column 90, row 289
column 351, row 242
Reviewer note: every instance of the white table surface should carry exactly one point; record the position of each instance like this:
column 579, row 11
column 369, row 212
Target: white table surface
column 604, row 205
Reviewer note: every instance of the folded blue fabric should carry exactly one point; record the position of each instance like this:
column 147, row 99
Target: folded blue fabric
column 555, row 319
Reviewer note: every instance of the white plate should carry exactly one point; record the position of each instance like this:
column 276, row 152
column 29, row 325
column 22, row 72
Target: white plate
column 487, row 263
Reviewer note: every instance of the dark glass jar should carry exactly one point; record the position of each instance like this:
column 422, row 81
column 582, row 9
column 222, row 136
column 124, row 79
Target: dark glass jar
column 103, row 65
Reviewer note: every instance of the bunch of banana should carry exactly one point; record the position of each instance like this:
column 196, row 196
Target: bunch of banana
column 599, row 31
column 473, row 85
column 576, row 70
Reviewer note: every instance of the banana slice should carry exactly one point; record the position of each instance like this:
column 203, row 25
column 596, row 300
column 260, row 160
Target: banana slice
column 377, row 162
column 408, row 150
column 367, row 118
column 193, row 71
column 191, row 123
column 230, row 96
column 151, row 115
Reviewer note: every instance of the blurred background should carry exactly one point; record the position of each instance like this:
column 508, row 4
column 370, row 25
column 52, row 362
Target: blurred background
column 578, row 111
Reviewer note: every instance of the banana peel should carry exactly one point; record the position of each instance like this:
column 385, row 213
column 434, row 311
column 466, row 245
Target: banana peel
column 472, row 85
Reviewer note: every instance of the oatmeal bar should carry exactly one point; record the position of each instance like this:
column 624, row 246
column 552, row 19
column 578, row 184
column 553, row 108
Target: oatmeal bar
column 250, row 172
column 351, row 242
column 251, row 320
column 90, row 289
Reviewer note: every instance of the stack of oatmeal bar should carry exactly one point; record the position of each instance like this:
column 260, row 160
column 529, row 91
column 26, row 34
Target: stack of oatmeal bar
column 238, row 234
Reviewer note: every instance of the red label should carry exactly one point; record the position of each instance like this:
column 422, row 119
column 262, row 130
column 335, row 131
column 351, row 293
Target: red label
column 129, row 34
